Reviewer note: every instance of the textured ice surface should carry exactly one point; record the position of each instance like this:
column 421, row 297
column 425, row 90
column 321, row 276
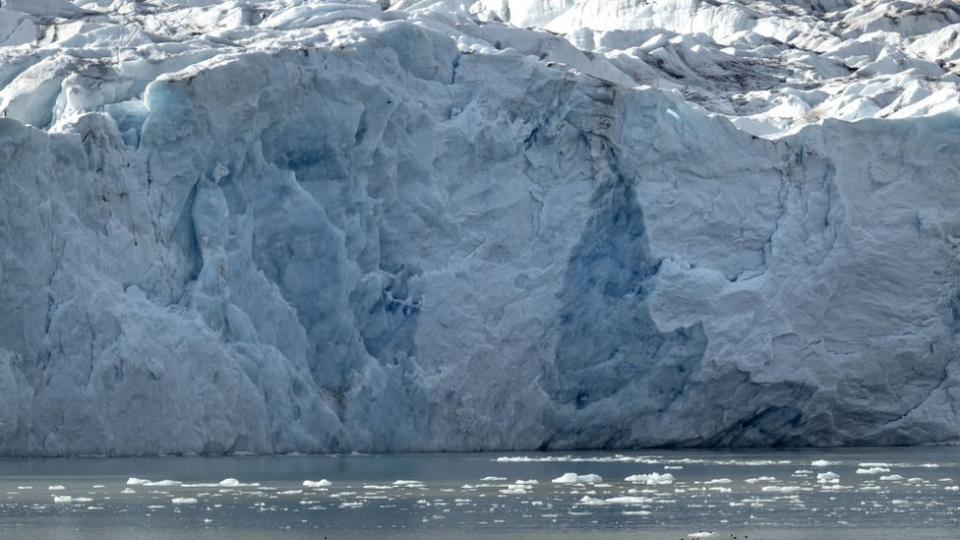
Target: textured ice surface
column 574, row 478
column 310, row 226
column 653, row 478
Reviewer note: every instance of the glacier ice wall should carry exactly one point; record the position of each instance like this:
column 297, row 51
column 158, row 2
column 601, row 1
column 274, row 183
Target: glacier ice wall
column 308, row 226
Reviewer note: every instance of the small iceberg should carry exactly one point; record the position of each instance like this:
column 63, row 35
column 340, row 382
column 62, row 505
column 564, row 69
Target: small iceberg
column 317, row 483
column 652, row 479
column 574, row 478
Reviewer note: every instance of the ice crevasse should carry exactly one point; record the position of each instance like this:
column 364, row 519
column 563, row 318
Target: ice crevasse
column 311, row 226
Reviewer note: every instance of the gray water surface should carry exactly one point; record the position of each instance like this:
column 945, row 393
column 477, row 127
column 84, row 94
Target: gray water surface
column 773, row 495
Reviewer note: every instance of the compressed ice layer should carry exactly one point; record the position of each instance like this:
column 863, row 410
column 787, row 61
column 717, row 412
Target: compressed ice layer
column 293, row 226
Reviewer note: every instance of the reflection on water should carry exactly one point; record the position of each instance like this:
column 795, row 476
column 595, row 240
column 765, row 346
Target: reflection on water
column 843, row 494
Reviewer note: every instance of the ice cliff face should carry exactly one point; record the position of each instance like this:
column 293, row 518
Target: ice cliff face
column 298, row 225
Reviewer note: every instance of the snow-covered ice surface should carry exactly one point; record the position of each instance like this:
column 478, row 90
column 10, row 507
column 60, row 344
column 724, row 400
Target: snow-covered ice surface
column 308, row 226
column 473, row 496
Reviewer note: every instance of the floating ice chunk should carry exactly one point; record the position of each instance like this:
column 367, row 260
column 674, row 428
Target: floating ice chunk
column 761, row 479
column 891, row 477
column 551, row 459
column 407, row 483
column 66, row 499
column 784, row 489
column 56, row 488
column 128, row 491
column 574, row 478
column 872, row 470
column 492, row 479
column 162, row 483
column 718, row 481
column 701, row 534
column 751, row 462
column 587, row 500
column 520, row 487
column 183, row 500
column 823, row 463
column 651, row 479
column 147, row 483
column 317, row 483
column 227, row 483
column 828, row 478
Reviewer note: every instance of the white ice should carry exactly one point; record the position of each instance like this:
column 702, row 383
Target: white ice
column 574, row 478
column 652, row 479
column 280, row 226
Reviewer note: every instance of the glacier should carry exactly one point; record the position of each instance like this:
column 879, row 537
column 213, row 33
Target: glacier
column 446, row 225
